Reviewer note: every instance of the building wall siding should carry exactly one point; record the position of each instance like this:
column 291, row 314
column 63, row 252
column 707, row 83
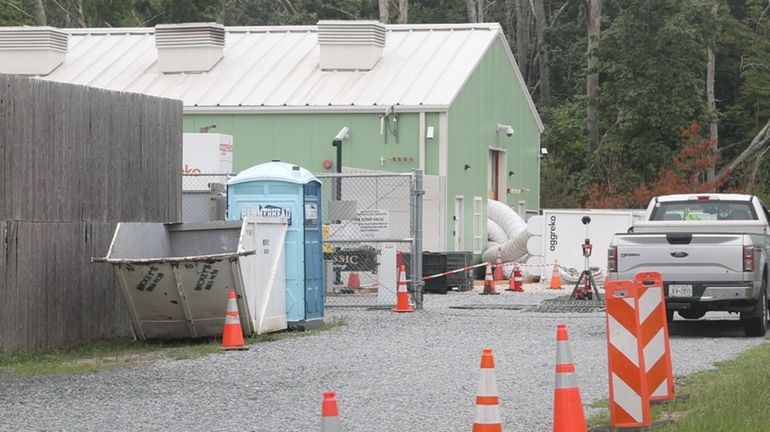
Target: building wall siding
column 492, row 95
column 305, row 139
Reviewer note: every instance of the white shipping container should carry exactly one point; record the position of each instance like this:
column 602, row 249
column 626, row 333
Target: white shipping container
column 562, row 233
column 206, row 153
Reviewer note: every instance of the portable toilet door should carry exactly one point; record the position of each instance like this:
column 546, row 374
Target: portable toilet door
column 314, row 272
column 282, row 189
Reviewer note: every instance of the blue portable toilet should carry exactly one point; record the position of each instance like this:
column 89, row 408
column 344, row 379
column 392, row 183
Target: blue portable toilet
column 279, row 188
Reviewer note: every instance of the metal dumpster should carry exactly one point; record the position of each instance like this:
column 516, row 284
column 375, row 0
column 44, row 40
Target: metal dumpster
column 175, row 277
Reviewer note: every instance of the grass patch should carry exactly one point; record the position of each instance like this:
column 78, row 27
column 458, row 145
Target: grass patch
column 732, row 397
column 125, row 353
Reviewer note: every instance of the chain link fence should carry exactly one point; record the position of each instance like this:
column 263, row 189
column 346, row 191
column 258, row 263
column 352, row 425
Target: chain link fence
column 204, row 197
column 369, row 227
column 369, row 231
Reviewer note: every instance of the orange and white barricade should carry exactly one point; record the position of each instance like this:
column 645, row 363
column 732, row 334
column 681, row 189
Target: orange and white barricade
column 654, row 336
column 629, row 394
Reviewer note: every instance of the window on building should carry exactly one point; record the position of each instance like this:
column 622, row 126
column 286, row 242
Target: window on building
column 477, row 214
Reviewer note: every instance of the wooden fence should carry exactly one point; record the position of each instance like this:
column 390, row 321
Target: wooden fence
column 74, row 161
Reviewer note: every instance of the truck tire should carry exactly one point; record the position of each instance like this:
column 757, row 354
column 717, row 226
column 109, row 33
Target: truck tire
column 756, row 325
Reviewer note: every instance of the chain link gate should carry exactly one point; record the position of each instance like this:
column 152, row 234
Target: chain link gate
column 204, row 197
column 372, row 222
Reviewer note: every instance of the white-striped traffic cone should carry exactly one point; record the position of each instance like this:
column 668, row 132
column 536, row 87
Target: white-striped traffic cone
column 568, row 415
column 232, row 335
column 489, row 283
column 330, row 416
column 402, row 295
column 487, row 418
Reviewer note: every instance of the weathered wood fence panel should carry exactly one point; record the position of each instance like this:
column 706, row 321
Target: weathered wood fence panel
column 74, row 161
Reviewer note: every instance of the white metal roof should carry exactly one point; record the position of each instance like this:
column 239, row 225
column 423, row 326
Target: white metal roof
column 277, row 68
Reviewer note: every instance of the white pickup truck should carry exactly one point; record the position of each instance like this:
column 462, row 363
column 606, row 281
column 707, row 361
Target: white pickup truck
column 711, row 250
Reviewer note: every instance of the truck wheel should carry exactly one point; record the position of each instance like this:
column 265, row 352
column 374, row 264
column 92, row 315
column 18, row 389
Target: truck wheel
column 756, row 325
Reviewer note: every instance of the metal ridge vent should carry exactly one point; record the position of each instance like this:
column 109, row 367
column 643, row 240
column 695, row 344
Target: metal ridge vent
column 32, row 50
column 350, row 45
column 189, row 47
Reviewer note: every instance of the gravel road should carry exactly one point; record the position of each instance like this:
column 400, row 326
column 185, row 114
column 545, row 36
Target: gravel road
column 391, row 372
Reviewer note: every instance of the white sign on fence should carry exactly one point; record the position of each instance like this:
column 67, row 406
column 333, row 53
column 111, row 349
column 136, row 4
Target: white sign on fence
column 373, row 223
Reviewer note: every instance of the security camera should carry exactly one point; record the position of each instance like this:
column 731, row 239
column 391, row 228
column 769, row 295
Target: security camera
column 342, row 134
column 506, row 128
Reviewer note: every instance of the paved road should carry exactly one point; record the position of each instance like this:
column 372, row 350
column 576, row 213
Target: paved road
column 392, row 372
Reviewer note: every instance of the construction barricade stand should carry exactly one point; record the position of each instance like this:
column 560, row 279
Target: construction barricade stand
column 654, row 336
column 629, row 394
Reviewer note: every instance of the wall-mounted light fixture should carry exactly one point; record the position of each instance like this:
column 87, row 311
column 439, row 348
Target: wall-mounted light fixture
column 505, row 128
column 467, row 167
column 429, row 133
column 205, row 129
column 543, row 152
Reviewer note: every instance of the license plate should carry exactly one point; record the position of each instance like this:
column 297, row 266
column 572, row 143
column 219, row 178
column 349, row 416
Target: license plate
column 680, row 290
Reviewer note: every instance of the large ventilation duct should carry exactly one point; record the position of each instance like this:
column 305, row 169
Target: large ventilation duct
column 495, row 234
column 514, row 228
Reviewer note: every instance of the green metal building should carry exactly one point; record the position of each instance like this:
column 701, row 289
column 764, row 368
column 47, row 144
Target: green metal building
column 446, row 98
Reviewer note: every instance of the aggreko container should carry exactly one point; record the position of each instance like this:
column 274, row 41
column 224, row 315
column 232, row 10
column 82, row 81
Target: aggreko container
column 283, row 189
column 175, row 277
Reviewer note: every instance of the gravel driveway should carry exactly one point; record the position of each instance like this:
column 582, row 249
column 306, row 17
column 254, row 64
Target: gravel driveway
column 392, row 372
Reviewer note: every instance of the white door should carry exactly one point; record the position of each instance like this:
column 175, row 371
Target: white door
column 458, row 228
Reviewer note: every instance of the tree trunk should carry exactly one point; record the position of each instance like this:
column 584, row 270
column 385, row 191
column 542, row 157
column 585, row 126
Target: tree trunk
column 480, row 13
column 220, row 14
column 523, row 15
column 39, row 13
column 542, row 50
column 384, row 12
column 759, row 141
column 403, row 11
column 470, row 5
column 712, row 109
column 594, row 19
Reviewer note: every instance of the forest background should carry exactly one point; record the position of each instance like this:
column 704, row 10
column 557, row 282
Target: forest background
column 638, row 97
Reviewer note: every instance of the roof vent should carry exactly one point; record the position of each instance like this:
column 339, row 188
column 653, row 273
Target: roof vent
column 192, row 47
column 31, row 50
column 350, row 45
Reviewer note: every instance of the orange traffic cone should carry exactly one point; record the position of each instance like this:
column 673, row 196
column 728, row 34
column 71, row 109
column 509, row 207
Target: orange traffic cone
column 330, row 420
column 516, row 283
column 498, row 274
column 568, row 415
column 232, row 337
column 489, row 284
column 402, row 296
column 354, row 281
column 487, row 418
column 555, row 276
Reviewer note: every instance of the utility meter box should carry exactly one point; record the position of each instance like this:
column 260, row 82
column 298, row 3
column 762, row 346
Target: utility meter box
column 286, row 190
